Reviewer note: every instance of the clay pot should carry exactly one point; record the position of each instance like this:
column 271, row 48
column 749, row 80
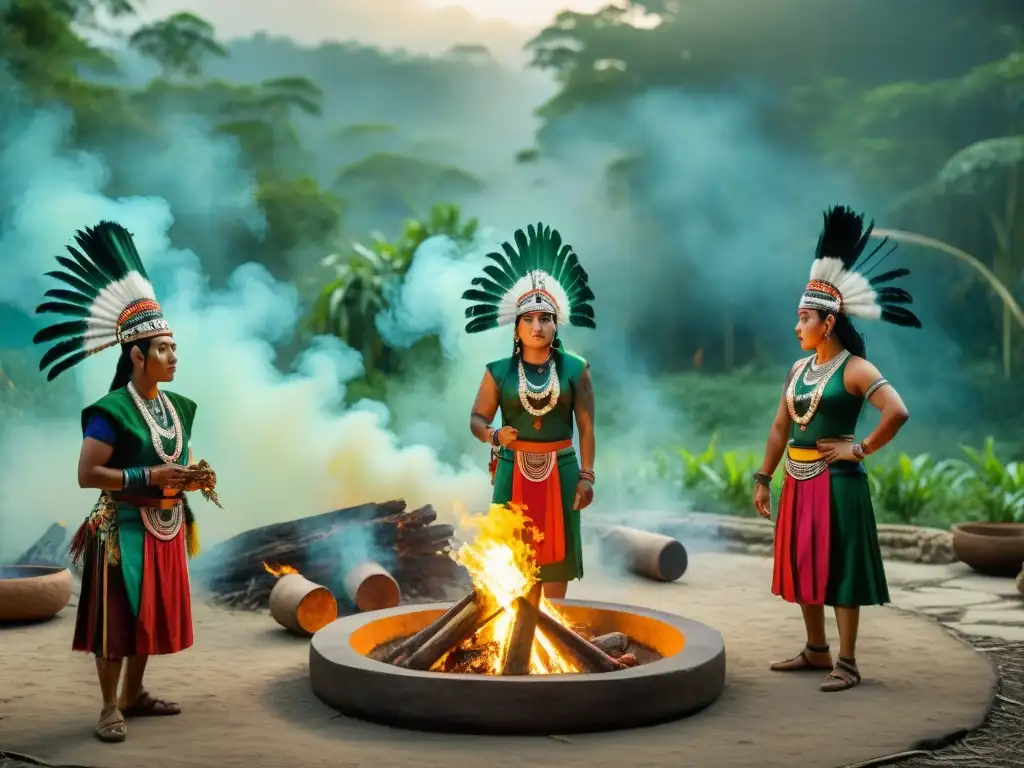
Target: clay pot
column 995, row 549
column 33, row 592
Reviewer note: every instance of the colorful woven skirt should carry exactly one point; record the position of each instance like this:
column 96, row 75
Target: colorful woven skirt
column 135, row 602
column 543, row 482
column 826, row 541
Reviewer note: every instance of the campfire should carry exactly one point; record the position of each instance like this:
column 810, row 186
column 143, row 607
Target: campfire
column 505, row 626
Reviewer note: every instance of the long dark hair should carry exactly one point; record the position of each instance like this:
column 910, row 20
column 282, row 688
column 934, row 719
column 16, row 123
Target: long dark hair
column 123, row 373
column 846, row 333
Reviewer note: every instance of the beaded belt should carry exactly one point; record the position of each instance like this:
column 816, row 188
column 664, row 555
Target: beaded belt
column 537, row 460
column 804, row 463
column 163, row 524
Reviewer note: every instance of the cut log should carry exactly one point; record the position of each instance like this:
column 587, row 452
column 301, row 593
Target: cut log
column 327, row 548
column 464, row 624
column 613, row 642
column 371, row 587
column 524, row 629
column 49, row 549
column 592, row 658
column 411, row 644
column 657, row 557
column 301, row 606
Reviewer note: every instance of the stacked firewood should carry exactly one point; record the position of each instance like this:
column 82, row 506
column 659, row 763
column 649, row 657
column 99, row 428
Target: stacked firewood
column 465, row 618
column 409, row 544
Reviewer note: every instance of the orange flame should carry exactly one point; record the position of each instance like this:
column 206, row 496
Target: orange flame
column 503, row 566
column 278, row 570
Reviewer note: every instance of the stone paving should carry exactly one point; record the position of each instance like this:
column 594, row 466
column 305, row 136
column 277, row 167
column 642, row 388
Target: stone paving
column 965, row 601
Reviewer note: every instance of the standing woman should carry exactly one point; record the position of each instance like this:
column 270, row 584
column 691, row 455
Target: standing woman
column 537, row 287
column 826, row 543
column 135, row 590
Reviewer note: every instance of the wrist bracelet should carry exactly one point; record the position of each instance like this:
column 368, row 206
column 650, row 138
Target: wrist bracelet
column 588, row 475
column 494, row 437
column 762, row 478
column 134, row 478
column 858, row 451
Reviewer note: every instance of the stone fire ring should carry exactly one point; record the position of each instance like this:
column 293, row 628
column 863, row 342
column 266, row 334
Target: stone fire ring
column 689, row 677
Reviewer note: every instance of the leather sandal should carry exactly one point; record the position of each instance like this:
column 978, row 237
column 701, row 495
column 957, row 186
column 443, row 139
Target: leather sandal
column 111, row 728
column 802, row 662
column 843, row 677
column 148, row 705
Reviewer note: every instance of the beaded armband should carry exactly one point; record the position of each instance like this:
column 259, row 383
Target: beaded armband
column 875, row 386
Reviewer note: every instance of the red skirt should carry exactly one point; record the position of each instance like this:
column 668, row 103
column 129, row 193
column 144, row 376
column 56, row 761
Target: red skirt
column 802, row 541
column 541, row 500
column 107, row 626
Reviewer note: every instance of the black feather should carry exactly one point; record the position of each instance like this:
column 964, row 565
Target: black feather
column 892, row 274
column 63, row 308
column 58, row 350
column 892, row 295
column 581, row 321
column 900, row 316
column 79, row 285
column 95, row 278
column 60, row 331
column 69, row 296
column 842, row 236
column 67, row 362
column 481, row 310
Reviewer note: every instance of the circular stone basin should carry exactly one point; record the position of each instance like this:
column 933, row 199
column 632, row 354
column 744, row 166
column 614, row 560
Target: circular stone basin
column 689, row 677
column 33, row 592
column 996, row 549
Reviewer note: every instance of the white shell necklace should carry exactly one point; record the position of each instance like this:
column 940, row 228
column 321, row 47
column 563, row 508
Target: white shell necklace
column 550, row 391
column 156, row 432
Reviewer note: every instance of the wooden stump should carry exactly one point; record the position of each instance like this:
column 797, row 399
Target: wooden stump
column 371, row 588
column 301, row 606
column 657, row 557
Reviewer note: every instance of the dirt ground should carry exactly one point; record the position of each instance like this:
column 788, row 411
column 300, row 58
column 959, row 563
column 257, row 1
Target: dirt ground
column 246, row 698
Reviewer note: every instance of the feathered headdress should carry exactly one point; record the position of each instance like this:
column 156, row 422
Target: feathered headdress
column 840, row 279
column 110, row 296
column 540, row 274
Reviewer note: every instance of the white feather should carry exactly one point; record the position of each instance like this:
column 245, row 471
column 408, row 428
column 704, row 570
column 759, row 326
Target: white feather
column 108, row 305
column 859, row 298
column 509, row 307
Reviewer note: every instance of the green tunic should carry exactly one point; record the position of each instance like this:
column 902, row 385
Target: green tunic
column 856, row 572
column 133, row 447
column 555, row 426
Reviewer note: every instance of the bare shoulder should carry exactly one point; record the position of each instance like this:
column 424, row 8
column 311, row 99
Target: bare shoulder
column 858, row 369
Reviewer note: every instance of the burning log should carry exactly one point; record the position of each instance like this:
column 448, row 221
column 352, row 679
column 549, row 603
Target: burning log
column 410, row 644
column 520, row 646
column 590, row 657
column 464, row 624
column 657, row 557
column 612, row 643
column 371, row 587
column 301, row 606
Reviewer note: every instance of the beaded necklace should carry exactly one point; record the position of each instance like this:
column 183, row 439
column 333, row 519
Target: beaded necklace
column 157, row 433
column 814, row 375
